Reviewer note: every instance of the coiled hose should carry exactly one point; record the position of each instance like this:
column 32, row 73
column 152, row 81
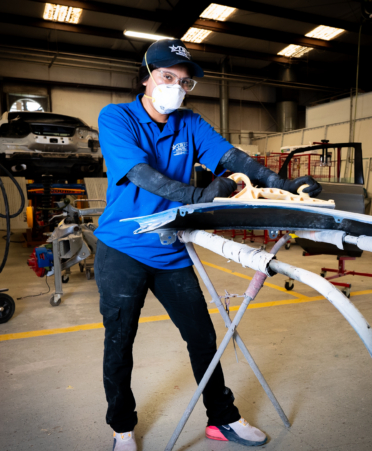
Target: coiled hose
column 7, row 215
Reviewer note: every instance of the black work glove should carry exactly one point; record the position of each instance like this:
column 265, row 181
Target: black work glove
column 220, row 187
column 312, row 190
column 237, row 161
column 144, row 176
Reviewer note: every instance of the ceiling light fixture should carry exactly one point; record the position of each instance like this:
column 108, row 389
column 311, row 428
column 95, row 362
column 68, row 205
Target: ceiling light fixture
column 324, row 32
column 61, row 13
column 217, row 12
column 294, row 51
column 195, row 35
column 213, row 12
column 321, row 32
column 136, row 34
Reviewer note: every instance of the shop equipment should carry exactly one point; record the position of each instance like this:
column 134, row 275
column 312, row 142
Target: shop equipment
column 7, row 304
column 323, row 225
column 71, row 243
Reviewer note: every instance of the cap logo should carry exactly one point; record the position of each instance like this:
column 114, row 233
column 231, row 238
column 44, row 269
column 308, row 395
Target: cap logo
column 180, row 51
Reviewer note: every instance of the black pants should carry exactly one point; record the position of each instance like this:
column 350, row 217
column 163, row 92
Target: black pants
column 123, row 284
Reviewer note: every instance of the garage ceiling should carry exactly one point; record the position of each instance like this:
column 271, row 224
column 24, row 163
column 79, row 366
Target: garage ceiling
column 251, row 37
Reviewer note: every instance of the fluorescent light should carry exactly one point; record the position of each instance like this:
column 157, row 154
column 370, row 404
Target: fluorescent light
column 294, row 51
column 324, row 32
column 153, row 37
column 60, row 13
column 213, row 12
column 321, row 32
column 73, row 15
column 217, row 12
column 195, row 35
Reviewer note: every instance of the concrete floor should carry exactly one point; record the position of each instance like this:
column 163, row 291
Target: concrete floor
column 52, row 396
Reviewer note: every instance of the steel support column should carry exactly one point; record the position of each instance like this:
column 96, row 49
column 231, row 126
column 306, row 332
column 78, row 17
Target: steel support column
column 224, row 102
column 287, row 114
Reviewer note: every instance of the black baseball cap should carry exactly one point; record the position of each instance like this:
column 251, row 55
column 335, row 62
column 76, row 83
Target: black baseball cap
column 168, row 52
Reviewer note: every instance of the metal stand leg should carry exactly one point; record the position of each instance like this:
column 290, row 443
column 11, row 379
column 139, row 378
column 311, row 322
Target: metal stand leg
column 230, row 332
column 216, row 299
column 254, row 287
column 56, row 297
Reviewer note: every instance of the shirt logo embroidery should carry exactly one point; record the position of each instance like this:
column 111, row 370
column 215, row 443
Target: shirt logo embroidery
column 180, row 149
column 180, row 51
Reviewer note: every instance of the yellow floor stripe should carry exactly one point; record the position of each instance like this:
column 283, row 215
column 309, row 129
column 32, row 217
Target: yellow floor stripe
column 145, row 319
column 244, row 276
column 359, row 293
column 150, row 319
column 273, row 303
column 40, row 333
column 63, row 330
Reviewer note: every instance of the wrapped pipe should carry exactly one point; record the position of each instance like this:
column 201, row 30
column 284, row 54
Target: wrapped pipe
column 363, row 242
column 263, row 261
column 256, row 259
column 334, row 296
column 337, row 238
column 325, row 236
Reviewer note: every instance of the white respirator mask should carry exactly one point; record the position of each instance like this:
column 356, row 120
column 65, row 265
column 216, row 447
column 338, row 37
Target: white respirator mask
column 166, row 98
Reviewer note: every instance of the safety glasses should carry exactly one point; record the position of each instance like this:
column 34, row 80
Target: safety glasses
column 168, row 78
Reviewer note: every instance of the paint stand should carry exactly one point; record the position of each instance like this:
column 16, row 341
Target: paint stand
column 252, row 291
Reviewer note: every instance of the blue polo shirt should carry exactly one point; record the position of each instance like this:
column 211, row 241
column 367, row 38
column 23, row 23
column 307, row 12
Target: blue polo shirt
column 128, row 136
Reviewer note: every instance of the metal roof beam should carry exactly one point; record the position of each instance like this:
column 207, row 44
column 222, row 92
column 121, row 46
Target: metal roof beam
column 50, row 46
column 241, row 53
column 55, row 47
column 181, row 18
column 163, row 16
column 118, row 34
column 293, row 14
column 268, row 34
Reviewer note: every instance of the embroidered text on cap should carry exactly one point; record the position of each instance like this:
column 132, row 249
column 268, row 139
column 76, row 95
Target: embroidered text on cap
column 180, row 51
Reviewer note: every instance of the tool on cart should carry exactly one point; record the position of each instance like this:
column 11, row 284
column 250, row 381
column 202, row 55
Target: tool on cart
column 7, row 305
column 71, row 243
column 329, row 225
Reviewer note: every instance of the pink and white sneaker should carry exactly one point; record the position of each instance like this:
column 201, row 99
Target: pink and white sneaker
column 124, row 441
column 239, row 432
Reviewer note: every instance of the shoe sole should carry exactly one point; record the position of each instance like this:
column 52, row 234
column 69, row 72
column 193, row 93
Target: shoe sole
column 232, row 436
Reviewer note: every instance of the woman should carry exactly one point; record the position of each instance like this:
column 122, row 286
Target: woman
column 150, row 149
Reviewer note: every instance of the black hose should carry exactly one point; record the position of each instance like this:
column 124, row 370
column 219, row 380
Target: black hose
column 7, row 215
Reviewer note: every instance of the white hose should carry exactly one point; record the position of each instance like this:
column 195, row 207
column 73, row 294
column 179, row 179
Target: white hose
column 363, row 242
column 256, row 259
column 334, row 296
column 263, row 261
column 325, row 236
column 337, row 238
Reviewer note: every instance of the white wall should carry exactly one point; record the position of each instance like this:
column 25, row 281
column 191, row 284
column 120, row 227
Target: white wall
column 242, row 118
column 85, row 103
column 338, row 111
